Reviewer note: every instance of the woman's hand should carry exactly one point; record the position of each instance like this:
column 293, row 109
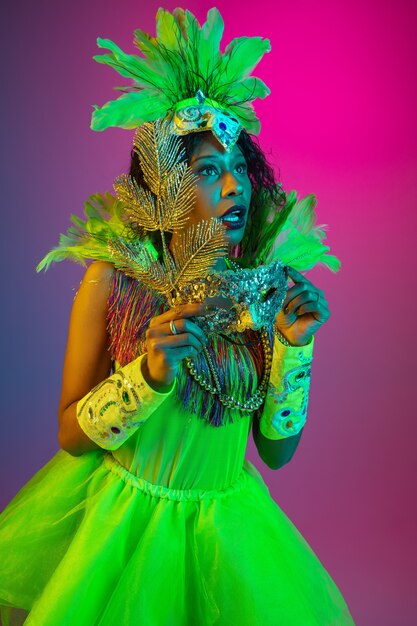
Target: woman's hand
column 304, row 310
column 166, row 349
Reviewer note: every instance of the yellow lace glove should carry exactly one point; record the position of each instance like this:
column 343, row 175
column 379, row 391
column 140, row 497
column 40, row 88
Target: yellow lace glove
column 285, row 408
column 111, row 412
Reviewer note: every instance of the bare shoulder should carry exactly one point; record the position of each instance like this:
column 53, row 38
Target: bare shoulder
column 101, row 271
column 95, row 288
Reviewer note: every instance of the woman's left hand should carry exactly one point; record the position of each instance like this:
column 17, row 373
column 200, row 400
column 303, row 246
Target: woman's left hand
column 304, row 310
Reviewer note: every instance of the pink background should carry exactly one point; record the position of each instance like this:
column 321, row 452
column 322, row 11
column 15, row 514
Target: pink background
column 341, row 123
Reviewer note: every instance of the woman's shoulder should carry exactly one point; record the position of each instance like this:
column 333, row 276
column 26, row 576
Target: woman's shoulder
column 96, row 285
column 101, row 271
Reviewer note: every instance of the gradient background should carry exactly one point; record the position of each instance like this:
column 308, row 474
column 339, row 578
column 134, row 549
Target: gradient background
column 340, row 122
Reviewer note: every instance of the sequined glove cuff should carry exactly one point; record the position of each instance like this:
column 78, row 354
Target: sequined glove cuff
column 111, row 412
column 285, row 408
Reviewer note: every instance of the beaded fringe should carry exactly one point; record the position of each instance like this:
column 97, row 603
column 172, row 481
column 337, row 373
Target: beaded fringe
column 239, row 359
column 131, row 307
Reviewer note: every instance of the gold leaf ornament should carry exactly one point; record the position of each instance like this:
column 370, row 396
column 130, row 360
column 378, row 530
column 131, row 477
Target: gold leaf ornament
column 179, row 197
column 159, row 151
column 197, row 249
column 165, row 206
column 139, row 202
column 134, row 259
column 170, row 194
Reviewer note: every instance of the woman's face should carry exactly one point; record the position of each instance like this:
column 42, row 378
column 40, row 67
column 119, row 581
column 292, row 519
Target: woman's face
column 223, row 186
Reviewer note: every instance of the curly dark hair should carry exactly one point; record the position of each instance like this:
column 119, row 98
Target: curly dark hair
column 267, row 195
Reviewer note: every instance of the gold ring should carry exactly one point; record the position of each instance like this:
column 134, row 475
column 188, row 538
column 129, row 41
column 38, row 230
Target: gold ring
column 173, row 328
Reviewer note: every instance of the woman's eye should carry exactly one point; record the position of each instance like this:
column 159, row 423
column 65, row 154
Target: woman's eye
column 208, row 170
column 211, row 170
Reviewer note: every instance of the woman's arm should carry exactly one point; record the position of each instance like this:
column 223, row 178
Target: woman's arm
column 87, row 358
column 274, row 453
column 277, row 430
column 88, row 362
column 304, row 310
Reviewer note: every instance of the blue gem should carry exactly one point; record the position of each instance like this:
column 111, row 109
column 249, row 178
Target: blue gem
column 285, row 413
column 200, row 97
column 222, row 126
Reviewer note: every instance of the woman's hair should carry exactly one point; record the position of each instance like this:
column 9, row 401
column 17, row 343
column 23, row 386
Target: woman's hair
column 267, row 196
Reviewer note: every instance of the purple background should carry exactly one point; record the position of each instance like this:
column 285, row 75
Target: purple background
column 341, row 123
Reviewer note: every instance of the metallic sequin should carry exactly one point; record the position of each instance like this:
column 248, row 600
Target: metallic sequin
column 238, row 299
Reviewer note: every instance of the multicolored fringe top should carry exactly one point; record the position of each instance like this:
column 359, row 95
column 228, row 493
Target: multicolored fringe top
column 239, row 359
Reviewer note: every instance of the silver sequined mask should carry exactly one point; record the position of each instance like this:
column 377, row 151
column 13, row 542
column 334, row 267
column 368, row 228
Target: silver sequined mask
column 238, row 300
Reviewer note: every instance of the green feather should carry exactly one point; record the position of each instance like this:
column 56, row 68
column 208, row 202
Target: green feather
column 128, row 65
column 272, row 226
column 248, row 89
column 210, row 38
column 146, row 44
column 87, row 239
column 129, row 111
column 192, row 30
column 246, row 115
column 303, row 252
column 167, row 30
column 293, row 237
column 242, row 55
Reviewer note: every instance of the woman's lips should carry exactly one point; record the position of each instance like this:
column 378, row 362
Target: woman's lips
column 234, row 218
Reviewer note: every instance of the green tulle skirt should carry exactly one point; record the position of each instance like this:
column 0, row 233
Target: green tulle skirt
column 87, row 543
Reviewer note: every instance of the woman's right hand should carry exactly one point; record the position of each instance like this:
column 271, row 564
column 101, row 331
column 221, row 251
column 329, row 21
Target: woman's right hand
column 166, row 350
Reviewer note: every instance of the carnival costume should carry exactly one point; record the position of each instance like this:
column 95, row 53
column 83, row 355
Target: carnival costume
column 167, row 523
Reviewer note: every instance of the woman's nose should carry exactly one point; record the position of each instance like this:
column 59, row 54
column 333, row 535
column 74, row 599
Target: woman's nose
column 231, row 185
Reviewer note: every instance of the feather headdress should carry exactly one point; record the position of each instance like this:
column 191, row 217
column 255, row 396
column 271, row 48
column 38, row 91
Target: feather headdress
column 181, row 70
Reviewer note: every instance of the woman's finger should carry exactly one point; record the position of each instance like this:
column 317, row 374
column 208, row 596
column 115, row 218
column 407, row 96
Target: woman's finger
column 183, row 352
column 180, row 326
column 169, row 342
column 185, row 325
column 319, row 312
column 296, row 277
column 301, row 281
column 304, row 296
column 296, row 290
column 186, row 310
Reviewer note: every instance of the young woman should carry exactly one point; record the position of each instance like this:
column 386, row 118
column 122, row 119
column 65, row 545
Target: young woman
column 150, row 513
